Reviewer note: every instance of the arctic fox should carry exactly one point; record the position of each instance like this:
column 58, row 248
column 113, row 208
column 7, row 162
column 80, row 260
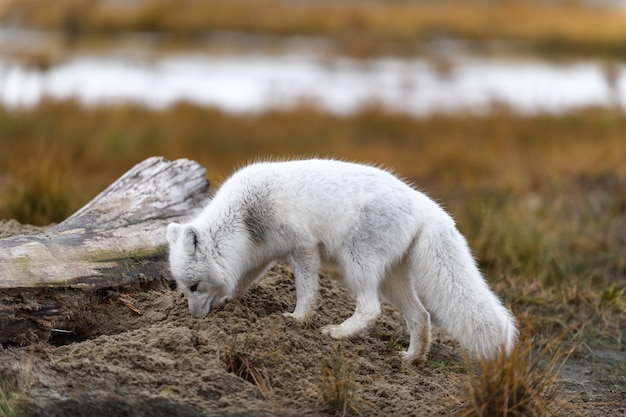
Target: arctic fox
column 387, row 238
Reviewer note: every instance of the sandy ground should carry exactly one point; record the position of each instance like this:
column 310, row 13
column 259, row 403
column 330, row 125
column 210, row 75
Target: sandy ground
column 144, row 355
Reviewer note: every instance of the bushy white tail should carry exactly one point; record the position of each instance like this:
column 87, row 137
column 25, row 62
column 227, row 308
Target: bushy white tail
column 452, row 289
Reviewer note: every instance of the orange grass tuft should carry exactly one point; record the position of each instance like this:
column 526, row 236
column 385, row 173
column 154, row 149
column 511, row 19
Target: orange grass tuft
column 337, row 384
column 525, row 383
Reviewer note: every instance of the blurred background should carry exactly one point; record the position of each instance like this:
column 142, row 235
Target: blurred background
column 460, row 93
column 511, row 113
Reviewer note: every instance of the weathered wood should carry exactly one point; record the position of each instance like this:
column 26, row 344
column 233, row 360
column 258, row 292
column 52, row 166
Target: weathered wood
column 116, row 240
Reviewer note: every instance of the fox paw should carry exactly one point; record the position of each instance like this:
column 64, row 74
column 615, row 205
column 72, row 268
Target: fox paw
column 334, row 331
column 302, row 319
column 411, row 357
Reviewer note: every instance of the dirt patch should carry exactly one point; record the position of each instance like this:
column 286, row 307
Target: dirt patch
column 145, row 355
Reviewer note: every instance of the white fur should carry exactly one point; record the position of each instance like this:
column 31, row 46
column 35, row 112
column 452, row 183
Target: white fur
column 387, row 238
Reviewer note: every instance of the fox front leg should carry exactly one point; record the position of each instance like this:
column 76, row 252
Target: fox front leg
column 305, row 264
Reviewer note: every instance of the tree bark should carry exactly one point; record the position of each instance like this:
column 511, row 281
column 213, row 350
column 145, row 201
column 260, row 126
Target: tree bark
column 116, row 240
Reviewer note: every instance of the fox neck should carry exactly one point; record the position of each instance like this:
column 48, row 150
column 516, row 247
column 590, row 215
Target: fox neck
column 240, row 259
column 239, row 264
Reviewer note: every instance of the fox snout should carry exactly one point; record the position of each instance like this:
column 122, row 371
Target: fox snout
column 199, row 308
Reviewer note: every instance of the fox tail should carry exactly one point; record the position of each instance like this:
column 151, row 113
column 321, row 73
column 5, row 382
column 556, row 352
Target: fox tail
column 453, row 290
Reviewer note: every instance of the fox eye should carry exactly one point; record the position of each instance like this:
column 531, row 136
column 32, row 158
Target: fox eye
column 193, row 288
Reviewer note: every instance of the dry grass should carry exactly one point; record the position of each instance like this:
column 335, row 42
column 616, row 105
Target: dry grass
column 13, row 385
column 241, row 361
column 457, row 155
column 38, row 195
column 360, row 28
column 337, row 384
column 8, row 393
column 521, row 384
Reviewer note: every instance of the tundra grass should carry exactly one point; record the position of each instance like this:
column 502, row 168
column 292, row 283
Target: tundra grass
column 357, row 28
column 245, row 363
column 8, row 392
column 523, row 383
column 248, row 367
column 541, row 199
column 337, row 384
column 12, row 388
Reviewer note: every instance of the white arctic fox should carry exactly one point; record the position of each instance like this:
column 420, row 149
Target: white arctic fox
column 387, row 238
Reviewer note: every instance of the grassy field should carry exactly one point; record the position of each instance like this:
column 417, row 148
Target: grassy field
column 560, row 28
column 541, row 199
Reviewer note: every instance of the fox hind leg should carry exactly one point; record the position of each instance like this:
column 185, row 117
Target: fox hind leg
column 398, row 291
column 367, row 311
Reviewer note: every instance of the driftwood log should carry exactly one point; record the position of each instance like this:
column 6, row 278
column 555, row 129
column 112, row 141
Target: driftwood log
column 116, row 240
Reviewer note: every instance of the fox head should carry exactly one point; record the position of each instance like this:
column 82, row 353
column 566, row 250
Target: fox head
column 196, row 273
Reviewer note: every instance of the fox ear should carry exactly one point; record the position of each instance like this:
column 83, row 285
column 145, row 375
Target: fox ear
column 173, row 232
column 191, row 239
